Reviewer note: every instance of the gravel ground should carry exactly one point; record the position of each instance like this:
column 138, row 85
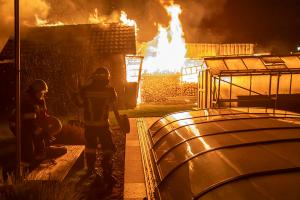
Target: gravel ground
column 86, row 187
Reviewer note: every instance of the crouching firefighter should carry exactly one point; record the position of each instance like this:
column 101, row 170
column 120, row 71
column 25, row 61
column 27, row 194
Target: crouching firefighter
column 97, row 97
column 38, row 128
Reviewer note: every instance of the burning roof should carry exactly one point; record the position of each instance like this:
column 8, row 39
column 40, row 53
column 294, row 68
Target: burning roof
column 112, row 38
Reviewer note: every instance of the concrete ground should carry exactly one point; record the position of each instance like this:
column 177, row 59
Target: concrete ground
column 134, row 180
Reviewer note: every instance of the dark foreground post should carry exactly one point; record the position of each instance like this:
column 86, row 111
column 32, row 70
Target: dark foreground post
column 17, row 68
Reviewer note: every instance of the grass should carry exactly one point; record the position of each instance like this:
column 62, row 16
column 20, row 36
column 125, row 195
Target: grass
column 151, row 111
column 155, row 110
column 144, row 110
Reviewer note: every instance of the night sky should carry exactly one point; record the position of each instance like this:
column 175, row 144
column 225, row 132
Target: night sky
column 258, row 21
column 264, row 22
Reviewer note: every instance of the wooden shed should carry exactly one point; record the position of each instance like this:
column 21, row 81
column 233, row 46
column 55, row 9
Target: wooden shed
column 65, row 56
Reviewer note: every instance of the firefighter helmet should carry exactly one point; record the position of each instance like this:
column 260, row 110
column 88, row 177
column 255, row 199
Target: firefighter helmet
column 101, row 73
column 38, row 85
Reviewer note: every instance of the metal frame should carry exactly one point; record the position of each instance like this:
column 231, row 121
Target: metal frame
column 151, row 175
column 213, row 93
column 224, row 147
column 224, row 132
column 247, row 175
column 219, row 120
column 225, row 114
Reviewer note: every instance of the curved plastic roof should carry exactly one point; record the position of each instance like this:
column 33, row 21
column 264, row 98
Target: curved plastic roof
column 227, row 154
column 252, row 63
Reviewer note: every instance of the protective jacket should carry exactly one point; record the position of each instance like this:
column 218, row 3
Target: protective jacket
column 96, row 101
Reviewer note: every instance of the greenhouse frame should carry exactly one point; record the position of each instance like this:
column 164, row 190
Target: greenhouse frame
column 254, row 81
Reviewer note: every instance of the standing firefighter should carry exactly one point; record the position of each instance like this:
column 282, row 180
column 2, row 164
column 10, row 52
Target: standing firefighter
column 96, row 98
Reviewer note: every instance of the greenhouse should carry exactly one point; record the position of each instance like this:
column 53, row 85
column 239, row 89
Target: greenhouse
column 265, row 81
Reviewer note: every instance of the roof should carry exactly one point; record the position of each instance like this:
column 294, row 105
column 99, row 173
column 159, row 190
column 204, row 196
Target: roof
column 218, row 65
column 112, row 38
column 227, row 154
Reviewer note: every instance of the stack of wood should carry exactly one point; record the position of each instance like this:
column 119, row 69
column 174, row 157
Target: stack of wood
column 159, row 88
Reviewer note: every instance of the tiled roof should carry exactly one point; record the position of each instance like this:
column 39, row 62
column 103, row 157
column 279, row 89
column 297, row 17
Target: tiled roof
column 100, row 39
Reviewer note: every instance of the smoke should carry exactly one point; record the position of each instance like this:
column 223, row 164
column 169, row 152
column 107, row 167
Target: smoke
column 27, row 11
column 148, row 15
column 194, row 17
column 52, row 11
column 195, row 14
column 79, row 11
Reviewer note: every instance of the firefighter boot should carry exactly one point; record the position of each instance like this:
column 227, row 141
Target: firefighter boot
column 90, row 161
column 107, row 170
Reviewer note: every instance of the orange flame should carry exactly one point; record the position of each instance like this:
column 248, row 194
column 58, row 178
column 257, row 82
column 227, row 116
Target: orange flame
column 45, row 22
column 94, row 18
column 166, row 53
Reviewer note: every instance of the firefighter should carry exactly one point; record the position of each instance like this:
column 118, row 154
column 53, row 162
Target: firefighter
column 33, row 111
column 34, row 118
column 97, row 97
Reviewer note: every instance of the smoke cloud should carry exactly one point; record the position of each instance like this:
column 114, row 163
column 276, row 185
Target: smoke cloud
column 148, row 15
column 27, row 11
column 195, row 14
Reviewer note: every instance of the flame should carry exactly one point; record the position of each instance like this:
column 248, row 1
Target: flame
column 94, row 18
column 45, row 22
column 166, row 53
column 125, row 20
column 139, row 98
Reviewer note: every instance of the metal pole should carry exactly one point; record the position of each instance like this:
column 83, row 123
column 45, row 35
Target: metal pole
column 277, row 91
column 199, row 90
column 210, row 88
column 291, row 81
column 219, row 90
column 17, row 68
column 270, row 91
column 140, row 76
column 206, row 89
column 230, row 89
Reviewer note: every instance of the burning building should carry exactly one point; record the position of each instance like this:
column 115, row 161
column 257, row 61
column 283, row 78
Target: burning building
column 171, row 66
column 66, row 55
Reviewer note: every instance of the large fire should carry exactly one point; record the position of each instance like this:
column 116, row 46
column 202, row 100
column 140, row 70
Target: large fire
column 166, row 52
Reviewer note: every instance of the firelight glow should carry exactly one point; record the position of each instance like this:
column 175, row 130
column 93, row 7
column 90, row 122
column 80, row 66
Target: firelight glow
column 125, row 20
column 45, row 22
column 166, row 52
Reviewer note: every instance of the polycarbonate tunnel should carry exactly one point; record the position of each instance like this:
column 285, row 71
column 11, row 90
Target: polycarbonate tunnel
column 223, row 154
